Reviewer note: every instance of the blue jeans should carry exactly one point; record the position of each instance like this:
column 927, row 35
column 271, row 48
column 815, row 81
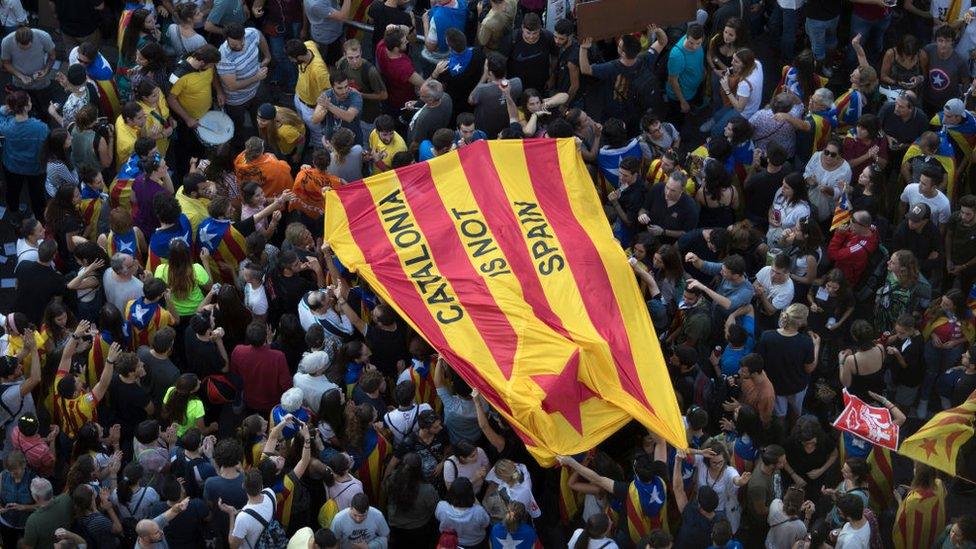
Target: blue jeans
column 785, row 403
column 784, row 22
column 822, row 35
column 937, row 361
column 872, row 36
column 285, row 73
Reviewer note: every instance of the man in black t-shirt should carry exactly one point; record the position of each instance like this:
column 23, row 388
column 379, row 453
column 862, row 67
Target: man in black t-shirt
column 289, row 285
column 567, row 76
column 760, row 188
column 204, row 346
column 129, row 402
column 389, row 340
column 532, row 54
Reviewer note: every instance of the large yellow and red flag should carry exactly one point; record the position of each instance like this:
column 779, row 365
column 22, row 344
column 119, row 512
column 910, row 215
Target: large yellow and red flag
column 938, row 442
column 500, row 255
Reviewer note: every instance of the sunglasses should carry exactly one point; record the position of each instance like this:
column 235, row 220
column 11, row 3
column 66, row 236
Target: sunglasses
column 831, row 154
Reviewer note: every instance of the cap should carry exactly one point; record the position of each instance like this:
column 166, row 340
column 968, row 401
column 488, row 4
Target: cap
column 28, row 424
column 919, row 212
column 76, row 74
column 267, row 111
column 8, row 365
column 955, row 107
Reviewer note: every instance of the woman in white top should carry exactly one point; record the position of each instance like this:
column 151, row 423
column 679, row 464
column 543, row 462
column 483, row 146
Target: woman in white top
column 827, row 175
column 790, row 206
column 742, row 87
column 311, row 378
column 463, row 514
column 513, row 479
column 340, row 484
column 470, row 462
column 596, row 535
column 31, row 236
column 717, row 474
column 183, row 38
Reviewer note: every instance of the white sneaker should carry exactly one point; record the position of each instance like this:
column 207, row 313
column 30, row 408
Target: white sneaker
column 706, row 126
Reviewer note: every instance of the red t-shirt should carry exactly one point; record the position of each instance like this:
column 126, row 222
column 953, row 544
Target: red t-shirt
column 855, row 148
column 265, row 375
column 870, row 12
column 396, row 73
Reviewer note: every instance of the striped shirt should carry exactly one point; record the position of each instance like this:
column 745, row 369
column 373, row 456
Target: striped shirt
column 243, row 65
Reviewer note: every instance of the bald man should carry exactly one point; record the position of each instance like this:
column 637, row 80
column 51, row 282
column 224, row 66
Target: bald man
column 150, row 532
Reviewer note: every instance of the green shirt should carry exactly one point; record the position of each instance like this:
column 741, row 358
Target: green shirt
column 194, row 411
column 41, row 524
column 186, row 306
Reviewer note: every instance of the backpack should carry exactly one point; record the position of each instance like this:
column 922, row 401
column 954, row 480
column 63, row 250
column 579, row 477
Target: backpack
column 330, row 509
column 13, row 415
column 129, row 536
column 272, row 534
column 184, row 468
column 874, row 274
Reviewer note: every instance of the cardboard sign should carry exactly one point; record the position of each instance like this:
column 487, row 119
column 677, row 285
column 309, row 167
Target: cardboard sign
column 599, row 19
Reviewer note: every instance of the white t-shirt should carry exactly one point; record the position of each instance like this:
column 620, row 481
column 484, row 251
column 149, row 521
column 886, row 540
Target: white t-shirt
column 598, row 543
column 789, row 214
column 724, row 486
column 520, row 492
column 25, row 252
column 780, row 295
column 835, row 180
column 967, row 41
column 404, row 422
column 248, row 528
column 306, row 317
column 751, row 87
column 343, row 491
column 849, row 538
column 453, row 469
column 939, row 204
column 313, row 387
column 256, row 299
column 139, row 503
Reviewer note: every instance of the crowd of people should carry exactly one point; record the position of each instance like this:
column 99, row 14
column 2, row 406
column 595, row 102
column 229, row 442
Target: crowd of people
column 186, row 363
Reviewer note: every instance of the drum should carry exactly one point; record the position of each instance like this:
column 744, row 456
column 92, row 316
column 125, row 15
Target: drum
column 215, row 128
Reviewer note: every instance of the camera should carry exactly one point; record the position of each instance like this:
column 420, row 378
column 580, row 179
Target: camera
column 103, row 127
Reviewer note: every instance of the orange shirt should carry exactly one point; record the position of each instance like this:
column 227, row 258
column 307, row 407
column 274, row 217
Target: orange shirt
column 272, row 174
column 308, row 191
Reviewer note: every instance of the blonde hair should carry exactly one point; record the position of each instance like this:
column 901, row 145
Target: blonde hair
column 794, row 316
column 909, row 265
column 508, row 471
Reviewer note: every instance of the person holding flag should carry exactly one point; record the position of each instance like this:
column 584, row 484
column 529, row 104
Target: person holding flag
column 880, row 475
column 643, row 499
column 151, row 312
column 224, row 239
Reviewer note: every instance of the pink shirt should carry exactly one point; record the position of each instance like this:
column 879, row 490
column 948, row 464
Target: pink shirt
column 39, row 456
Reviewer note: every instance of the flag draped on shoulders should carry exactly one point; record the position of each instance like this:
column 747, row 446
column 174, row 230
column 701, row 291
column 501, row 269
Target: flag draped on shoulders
column 962, row 135
column 159, row 241
column 370, row 471
column 496, row 256
column 98, row 353
column 945, row 156
column 225, row 244
column 144, row 319
column 850, row 107
column 824, row 123
column 92, row 202
column 921, row 517
column 125, row 243
column 120, row 192
column 646, row 508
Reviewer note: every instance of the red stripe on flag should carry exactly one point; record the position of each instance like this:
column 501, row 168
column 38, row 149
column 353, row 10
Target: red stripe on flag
column 492, row 201
column 371, row 238
column 452, row 262
column 917, row 528
column 594, row 285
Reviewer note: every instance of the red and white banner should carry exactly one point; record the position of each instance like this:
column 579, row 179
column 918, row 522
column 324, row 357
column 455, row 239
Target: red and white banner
column 871, row 423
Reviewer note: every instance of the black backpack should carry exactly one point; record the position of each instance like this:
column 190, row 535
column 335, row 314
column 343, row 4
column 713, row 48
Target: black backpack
column 874, row 275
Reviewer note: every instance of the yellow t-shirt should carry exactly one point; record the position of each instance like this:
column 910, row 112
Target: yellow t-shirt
column 288, row 138
column 313, row 79
column 195, row 209
column 75, row 412
column 156, row 117
column 378, row 146
column 125, row 141
column 193, row 90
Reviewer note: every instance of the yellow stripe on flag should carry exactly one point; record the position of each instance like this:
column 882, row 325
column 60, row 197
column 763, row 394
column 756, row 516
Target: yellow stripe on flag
column 938, row 442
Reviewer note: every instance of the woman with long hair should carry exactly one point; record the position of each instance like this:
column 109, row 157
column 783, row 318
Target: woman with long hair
column 339, row 482
column 123, row 236
column 232, row 315
column 717, row 472
column 134, row 494
column 810, row 453
column 182, row 406
column 63, row 218
column 732, row 37
column 141, row 29
column 31, row 234
column 411, row 501
column 332, row 416
column 801, row 78
column 283, row 130
column 949, row 330
column 92, row 146
column 56, row 327
column 289, row 460
column 743, row 436
column 57, row 154
column 790, row 206
column 159, row 123
column 921, row 511
column 905, row 290
column 717, row 198
column 536, row 111
column 152, row 64
column 669, row 273
column 462, row 513
column 347, row 156
column 368, row 447
column 804, row 243
column 904, row 66
column 252, row 434
column 219, row 168
column 865, row 192
column 831, row 302
column 152, row 180
column 862, row 367
column 742, row 89
column 24, row 141
column 188, row 281
column 112, row 328
column 290, row 340
column 93, row 514
column 87, row 282
column 352, row 360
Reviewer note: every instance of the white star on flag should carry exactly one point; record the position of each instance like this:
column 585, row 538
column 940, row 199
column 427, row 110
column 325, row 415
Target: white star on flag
column 139, row 312
column 509, row 542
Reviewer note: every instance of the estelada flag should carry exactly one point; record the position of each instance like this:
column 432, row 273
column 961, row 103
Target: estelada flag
column 938, row 442
column 872, row 423
column 501, row 257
